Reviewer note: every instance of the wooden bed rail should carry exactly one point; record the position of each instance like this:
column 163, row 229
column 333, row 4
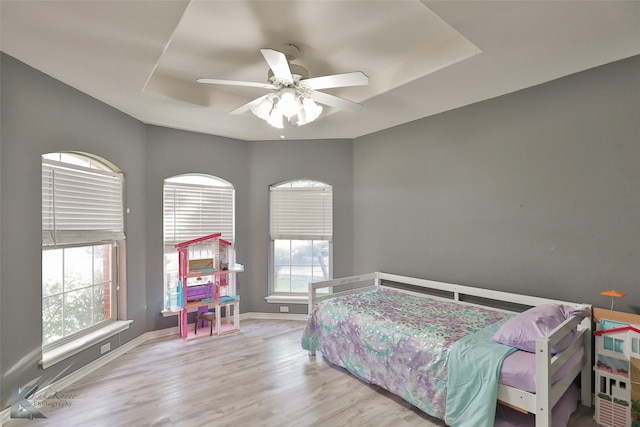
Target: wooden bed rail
column 319, row 291
column 461, row 290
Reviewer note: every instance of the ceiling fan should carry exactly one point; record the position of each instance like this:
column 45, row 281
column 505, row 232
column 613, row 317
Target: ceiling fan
column 294, row 94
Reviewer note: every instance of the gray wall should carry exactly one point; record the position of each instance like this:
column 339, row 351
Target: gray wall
column 534, row 192
column 40, row 115
column 272, row 162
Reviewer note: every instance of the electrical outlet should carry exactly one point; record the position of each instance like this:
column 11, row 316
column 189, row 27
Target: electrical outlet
column 284, row 309
column 105, row 348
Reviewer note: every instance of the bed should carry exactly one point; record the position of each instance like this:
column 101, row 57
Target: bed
column 433, row 344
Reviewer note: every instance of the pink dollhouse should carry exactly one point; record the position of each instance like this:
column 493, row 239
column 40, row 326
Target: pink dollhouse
column 206, row 271
column 617, row 374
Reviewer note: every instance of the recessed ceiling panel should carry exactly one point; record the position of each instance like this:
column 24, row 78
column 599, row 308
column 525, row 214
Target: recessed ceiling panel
column 392, row 42
column 143, row 57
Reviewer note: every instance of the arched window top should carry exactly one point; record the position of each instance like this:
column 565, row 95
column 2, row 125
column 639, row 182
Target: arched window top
column 82, row 159
column 82, row 200
column 196, row 205
column 199, row 179
column 301, row 183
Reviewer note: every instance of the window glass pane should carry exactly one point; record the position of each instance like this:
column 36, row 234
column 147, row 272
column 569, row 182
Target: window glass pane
column 634, row 345
column 320, row 260
column 51, row 318
column 319, row 274
column 302, row 183
column 282, row 255
column 301, row 276
column 300, row 262
column 74, row 159
column 101, row 302
column 198, row 179
column 77, row 267
column 101, row 264
column 283, row 278
column 608, row 343
column 301, row 252
column 619, row 346
column 51, row 272
column 51, row 156
column 171, row 266
column 77, row 310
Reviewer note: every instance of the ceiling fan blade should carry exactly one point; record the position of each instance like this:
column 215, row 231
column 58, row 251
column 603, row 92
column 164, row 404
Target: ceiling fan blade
column 249, row 105
column 334, row 101
column 356, row 78
column 278, row 63
column 237, row 83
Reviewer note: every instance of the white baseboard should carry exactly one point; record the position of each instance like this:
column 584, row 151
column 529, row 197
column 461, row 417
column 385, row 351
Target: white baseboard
column 68, row 380
column 272, row 316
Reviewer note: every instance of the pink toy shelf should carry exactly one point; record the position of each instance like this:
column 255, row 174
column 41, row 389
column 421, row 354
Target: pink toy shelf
column 206, row 279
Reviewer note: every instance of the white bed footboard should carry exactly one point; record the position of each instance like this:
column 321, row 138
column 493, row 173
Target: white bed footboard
column 320, row 291
column 547, row 395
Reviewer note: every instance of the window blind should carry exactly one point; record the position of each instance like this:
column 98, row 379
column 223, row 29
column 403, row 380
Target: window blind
column 192, row 211
column 302, row 213
column 80, row 205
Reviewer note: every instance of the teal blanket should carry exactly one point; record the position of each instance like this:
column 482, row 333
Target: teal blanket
column 472, row 386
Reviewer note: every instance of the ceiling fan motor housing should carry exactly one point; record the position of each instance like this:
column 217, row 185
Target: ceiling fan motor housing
column 297, row 71
column 291, row 52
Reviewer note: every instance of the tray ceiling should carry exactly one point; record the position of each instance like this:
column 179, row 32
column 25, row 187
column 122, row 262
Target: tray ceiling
column 422, row 58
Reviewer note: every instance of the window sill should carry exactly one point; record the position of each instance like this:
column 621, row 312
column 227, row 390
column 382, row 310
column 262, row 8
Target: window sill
column 287, row 299
column 62, row 352
column 168, row 313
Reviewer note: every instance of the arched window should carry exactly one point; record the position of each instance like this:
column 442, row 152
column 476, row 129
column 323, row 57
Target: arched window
column 195, row 205
column 82, row 228
column 301, row 235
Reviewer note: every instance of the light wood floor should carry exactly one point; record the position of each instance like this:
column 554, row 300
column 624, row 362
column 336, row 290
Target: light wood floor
column 259, row 376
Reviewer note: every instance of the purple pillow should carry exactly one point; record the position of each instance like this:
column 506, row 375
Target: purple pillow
column 522, row 330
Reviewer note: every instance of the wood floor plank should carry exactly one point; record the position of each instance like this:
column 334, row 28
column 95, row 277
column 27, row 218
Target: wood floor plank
column 259, row 376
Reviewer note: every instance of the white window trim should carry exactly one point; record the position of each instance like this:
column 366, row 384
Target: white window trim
column 287, row 299
column 308, row 230
column 199, row 183
column 59, row 353
column 64, row 348
column 293, row 297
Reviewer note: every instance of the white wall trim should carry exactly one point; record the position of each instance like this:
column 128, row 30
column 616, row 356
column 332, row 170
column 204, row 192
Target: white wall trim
column 68, row 380
column 64, row 351
column 287, row 299
column 272, row 316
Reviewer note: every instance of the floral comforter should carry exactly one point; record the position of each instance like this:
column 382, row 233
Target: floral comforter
column 394, row 340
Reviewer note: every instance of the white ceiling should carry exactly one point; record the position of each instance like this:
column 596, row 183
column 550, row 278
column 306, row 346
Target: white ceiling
column 422, row 57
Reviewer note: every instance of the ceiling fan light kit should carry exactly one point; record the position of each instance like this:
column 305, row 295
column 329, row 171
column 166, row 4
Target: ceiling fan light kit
column 287, row 103
column 296, row 96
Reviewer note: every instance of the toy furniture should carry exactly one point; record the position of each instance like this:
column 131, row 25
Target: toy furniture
column 206, row 317
column 206, row 277
column 617, row 368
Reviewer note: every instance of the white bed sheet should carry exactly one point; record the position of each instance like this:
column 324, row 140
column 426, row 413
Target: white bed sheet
column 518, row 369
